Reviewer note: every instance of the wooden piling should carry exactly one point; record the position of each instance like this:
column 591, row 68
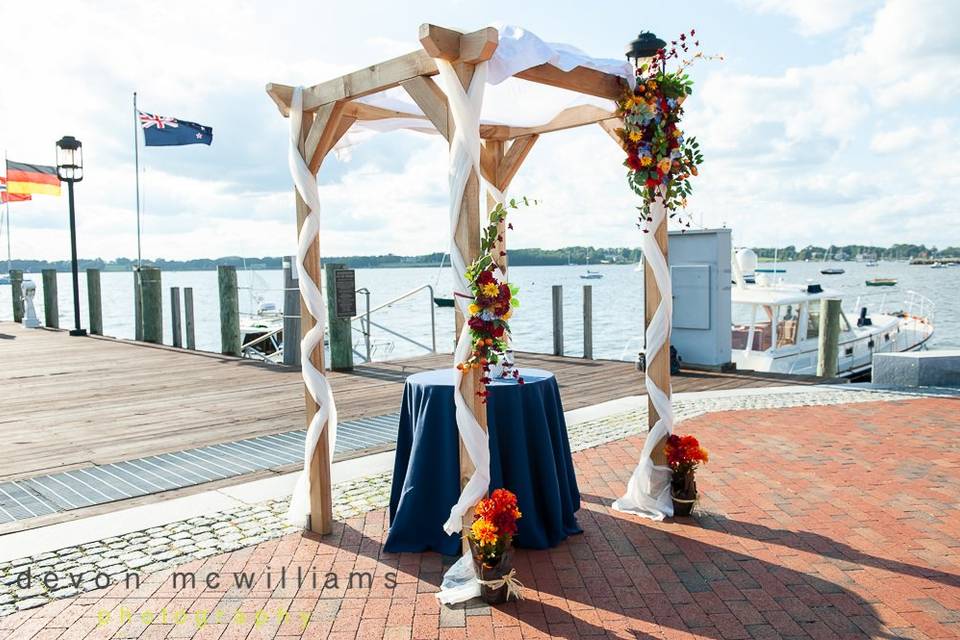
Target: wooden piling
column 291, row 313
column 828, row 345
column 341, row 342
column 137, row 306
column 188, row 317
column 588, row 321
column 16, row 293
column 229, row 310
column 51, row 308
column 557, row 320
column 175, row 326
column 151, row 305
column 94, row 303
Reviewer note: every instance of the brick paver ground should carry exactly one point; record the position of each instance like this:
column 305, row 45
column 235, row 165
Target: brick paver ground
column 822, row 522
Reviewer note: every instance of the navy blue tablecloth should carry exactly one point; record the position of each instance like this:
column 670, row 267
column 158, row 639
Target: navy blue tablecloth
column 529, row 455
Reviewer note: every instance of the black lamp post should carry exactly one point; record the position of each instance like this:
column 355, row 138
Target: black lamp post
column 70, row 170
column 644, row 47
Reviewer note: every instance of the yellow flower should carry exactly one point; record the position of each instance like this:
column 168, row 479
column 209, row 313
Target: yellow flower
column 490, row 290
column 635, row 136
column 507, row 315
column 677, row 133
column 664, row 165
column 484, row 532
column 646, row 160
column 652, row 85
column 473, row 309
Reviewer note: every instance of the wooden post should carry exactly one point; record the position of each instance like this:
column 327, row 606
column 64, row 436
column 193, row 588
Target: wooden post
column 188, row 317
column 828, row 345
column 341, row 340
column 51, row 307
column 658, row 368
column 16, row 293
column 175, row 317
column 588, row 321
column 291, row 313
column 557, row 320
column 229, row 310
column 94, row 304
column 151, row 300
column 137, row 305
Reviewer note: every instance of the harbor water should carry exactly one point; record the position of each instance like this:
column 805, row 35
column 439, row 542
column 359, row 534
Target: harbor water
column 404, row 329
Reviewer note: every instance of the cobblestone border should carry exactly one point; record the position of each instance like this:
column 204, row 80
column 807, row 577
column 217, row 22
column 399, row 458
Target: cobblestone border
column 176, row 543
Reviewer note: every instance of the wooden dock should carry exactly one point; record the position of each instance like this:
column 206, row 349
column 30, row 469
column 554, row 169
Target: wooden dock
column 74, row 402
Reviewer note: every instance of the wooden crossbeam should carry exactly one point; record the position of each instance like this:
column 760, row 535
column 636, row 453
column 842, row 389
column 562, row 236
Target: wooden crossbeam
column 567, row 119
column 430, row 99
column 513, row 158
column 447, row 44
column 579, row 79
column 454, row 46
column 610, row 125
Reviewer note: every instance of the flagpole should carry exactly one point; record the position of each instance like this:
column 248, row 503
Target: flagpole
column 137, row 301
column 136, row 161
column 8, row 211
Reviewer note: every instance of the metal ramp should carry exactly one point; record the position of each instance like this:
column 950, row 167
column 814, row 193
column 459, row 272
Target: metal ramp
column 89, row 486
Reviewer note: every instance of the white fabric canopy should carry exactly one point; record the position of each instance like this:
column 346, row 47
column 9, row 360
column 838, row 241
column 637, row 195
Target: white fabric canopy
column 507, row 100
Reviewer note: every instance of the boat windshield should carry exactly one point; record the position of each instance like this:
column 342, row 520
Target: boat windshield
column 769, row 323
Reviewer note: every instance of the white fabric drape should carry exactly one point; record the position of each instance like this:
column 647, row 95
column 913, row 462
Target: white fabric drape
column 648, row 492
column 313, row 378
column 460, row 582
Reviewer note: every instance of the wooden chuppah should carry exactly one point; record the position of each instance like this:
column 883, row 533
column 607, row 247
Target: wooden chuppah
column 330, row 108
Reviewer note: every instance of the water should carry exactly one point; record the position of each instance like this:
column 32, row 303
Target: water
column 617, row 303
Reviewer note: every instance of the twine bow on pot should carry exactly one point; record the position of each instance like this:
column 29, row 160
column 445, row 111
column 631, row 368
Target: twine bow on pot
column 514, row 586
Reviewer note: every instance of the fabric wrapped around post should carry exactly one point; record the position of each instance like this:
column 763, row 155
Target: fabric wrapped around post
column 648, row 491
column 460, row 582
column 316, row 383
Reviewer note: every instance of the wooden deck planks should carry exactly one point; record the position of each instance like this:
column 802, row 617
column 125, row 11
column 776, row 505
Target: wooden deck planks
column 67, row 402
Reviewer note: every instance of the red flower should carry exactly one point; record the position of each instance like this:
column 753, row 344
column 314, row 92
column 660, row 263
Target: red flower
column 633, row 162
column 652, row 182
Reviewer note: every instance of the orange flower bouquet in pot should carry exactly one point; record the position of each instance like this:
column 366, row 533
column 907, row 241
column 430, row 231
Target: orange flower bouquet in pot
column 684, row 455
column 490, row 537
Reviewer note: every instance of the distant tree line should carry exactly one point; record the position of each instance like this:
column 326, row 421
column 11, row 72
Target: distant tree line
column 518, row 257
column 851, row 251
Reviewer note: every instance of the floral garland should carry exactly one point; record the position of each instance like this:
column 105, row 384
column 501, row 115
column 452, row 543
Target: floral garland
column 493, row 301
column 659, row 156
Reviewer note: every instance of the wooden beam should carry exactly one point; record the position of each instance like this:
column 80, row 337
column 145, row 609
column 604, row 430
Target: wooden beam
column 658, row 368
column 569, row 118
column 454, row 46
column 513, row 158
column 364, row 111
column 431, row 100
column 321, row 499
column 611, row 125
column 579, row 79
column 493, row 159
column 372, row 79
column 324, row 126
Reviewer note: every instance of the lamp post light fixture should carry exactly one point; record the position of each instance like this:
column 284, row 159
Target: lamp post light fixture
column 644, row 47
column 70, row 170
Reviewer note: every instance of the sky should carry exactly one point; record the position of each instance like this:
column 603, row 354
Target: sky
column 827, row 122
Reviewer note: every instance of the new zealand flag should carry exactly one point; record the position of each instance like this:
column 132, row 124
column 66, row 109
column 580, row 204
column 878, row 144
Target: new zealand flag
column 161, row 131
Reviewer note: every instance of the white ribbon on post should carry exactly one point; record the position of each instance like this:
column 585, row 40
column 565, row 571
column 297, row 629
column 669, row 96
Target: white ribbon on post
column 648, row 491
column 460, row 582
column 313, row 378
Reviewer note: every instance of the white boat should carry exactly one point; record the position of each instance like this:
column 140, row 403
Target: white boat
column 261, row 334
column 591, row 275
column 776, row 326
column 938, row 265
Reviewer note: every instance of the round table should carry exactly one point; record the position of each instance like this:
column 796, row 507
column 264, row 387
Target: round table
column 529, row 455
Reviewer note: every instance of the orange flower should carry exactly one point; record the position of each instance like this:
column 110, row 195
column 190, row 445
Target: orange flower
column 484, row 532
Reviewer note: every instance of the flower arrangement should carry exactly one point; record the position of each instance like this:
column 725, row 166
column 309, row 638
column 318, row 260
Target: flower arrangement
column 493, row 300
column 494, row 525
column 490, row 538
column 684, row 454
column 660, row 157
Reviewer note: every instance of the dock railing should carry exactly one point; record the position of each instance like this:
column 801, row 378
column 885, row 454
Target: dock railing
column 366, row 323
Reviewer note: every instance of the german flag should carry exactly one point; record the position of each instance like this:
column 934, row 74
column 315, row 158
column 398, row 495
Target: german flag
column 32, row 178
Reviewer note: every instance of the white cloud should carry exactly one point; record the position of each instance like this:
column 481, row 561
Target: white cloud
column 814, row 16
